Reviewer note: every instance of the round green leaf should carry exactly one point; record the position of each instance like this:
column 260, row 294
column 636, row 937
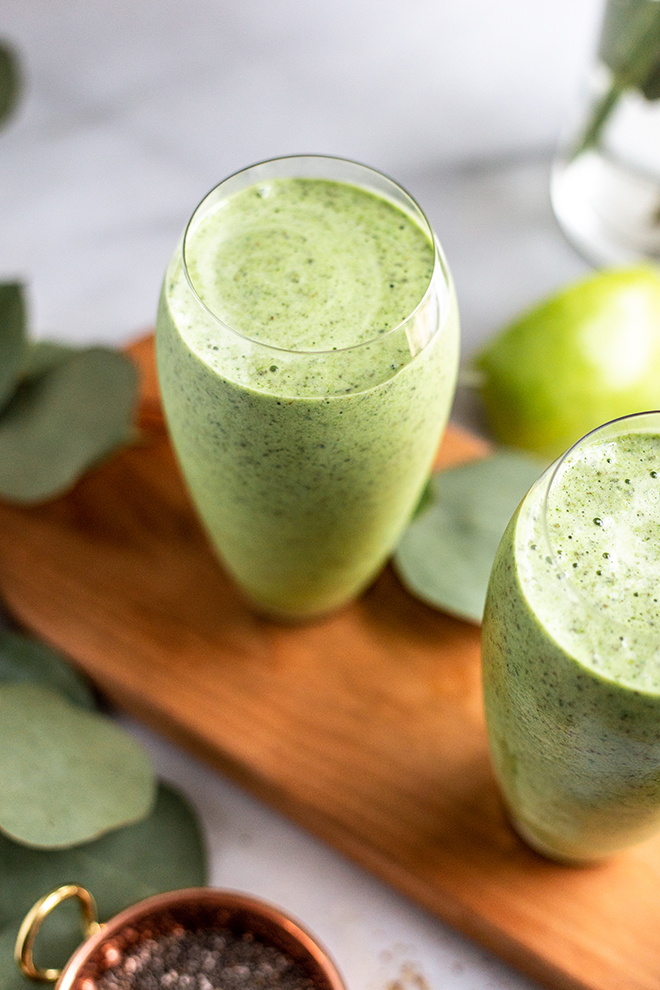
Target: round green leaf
column 25, row 659
column 10, row 978
column 60, row 937
column 651, row 88
column 66, row 774
column 64, row 420
column 9, row 81
column 42, row 355
column 630, row 42
column 13, row 342
column 446, row 554
column 163, row 852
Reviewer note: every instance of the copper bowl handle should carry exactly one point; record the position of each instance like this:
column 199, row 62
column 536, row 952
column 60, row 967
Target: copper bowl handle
column 23, row 950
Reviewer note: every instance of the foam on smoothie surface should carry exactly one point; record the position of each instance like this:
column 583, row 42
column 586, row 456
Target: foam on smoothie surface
column 309, row 264
column 604, row 529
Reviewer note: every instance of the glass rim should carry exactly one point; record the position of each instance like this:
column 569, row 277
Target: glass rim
column 552, row 473
column 440, row 269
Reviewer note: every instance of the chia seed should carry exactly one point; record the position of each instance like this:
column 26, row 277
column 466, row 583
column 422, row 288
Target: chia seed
column 205, row 959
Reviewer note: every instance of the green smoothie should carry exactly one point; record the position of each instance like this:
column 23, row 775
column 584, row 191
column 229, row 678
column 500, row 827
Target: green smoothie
column 304, row 400
column 571, row 639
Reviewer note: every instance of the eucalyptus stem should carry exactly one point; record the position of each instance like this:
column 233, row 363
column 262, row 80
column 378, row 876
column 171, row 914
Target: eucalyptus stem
column 590, row 137
column 630, row 50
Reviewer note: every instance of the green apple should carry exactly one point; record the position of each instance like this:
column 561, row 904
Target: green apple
column 584, row 356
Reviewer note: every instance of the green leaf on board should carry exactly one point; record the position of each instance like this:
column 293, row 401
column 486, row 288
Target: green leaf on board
column 165, row 851
column 446, row 554
column 13, row 340
column 67, row 775
column 9, row 81
column 425, row 499
column 43, row 355
column 23, row 658
column 63, row 421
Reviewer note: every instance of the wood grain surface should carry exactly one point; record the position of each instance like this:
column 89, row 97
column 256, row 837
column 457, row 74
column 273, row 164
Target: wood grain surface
column 366, row 728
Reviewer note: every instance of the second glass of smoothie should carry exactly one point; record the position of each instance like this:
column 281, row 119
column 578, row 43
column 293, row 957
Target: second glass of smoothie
column 571, row 648
column 307, row 345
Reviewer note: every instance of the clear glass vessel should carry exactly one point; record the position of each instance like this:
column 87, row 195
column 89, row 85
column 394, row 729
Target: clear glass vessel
column 305, row 463
column 571, row 659
column 605, row 184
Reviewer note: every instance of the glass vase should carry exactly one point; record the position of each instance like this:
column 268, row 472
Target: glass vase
column 605, row 184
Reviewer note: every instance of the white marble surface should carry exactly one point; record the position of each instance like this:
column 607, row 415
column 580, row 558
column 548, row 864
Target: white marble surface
column 134, row 109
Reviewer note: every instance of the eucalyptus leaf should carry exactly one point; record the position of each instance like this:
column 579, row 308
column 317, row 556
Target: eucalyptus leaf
column 425, row 499
column 163, row 852
column 64, row 420
column 67, row 775
column 25, row 659
column 13, row 339
column 60, row 937
column 651, row 88
column 9, row 81
column 630, row 42
column 10, row 978
column 44, row 355
column 446, row 554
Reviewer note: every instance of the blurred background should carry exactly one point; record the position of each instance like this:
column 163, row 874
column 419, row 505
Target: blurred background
column 132, row 110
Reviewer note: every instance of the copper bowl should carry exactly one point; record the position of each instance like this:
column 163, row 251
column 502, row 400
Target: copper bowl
column 192, row 909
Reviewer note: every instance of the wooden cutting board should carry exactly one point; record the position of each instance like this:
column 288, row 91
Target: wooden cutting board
column 367, row 728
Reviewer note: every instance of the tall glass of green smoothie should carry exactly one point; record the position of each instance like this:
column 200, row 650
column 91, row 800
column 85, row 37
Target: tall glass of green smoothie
column 307, row 345
column 571, row 648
